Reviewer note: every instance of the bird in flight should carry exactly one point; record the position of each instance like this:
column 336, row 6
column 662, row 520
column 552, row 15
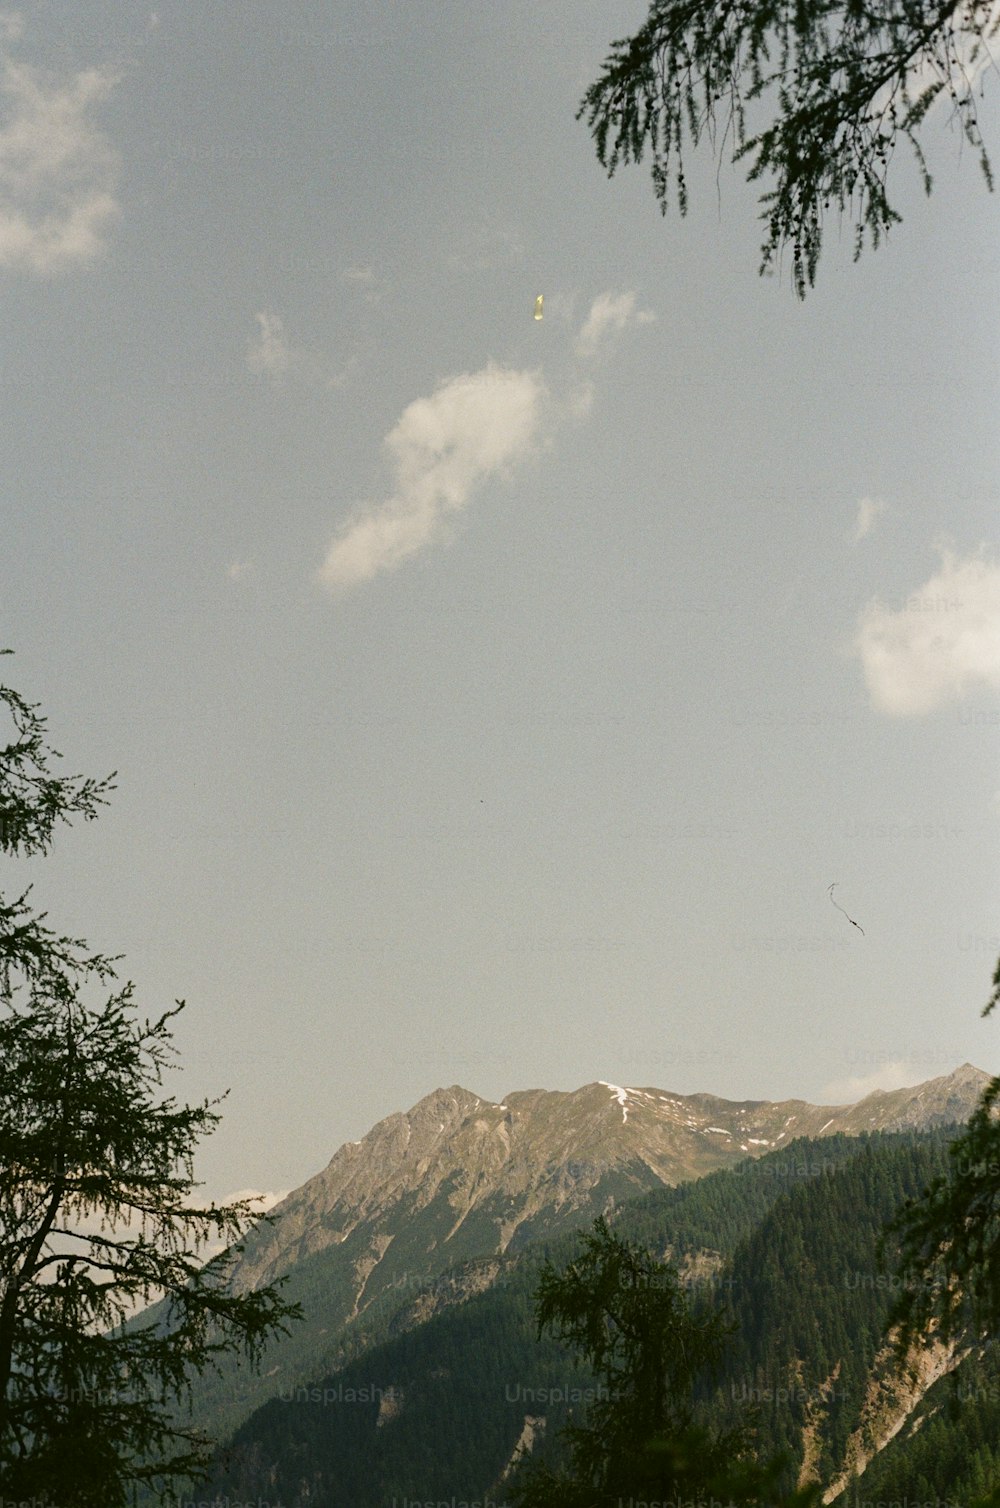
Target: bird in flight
column 840, row 908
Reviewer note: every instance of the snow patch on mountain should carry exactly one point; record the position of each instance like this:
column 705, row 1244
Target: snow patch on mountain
column 620, row 1094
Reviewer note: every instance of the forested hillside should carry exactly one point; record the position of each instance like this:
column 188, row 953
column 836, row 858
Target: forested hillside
column 788, row 1243
column 949, row 1451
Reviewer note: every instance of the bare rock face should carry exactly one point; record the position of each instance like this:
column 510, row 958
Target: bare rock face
column 453, row 1287
column 532, row 1430
column 460, row 1165
column 889, row 1402
column 390, row 1407
column 427, row 1208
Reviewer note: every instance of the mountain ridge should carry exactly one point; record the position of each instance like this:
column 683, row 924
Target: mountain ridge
column 559, row 1143
column 458, row 1177
column 785, row 1244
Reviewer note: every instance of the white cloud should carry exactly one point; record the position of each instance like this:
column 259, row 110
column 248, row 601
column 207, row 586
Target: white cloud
column 869, row 509
column 365, row 280
column 444, row 447
column 895, row 1075
column 269, row 354
column 261, row 1202
column 57, row 170
column 610, row 314
column 943, row 642
column 470, row 429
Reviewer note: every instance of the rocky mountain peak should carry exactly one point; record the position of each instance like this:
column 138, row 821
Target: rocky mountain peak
column 458, row 1177
column 463, row 1163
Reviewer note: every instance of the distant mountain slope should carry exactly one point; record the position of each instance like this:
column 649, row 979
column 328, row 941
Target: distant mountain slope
column 458, row 1177
column 948, row 1451
column 436, row 1413
column 500, row 1166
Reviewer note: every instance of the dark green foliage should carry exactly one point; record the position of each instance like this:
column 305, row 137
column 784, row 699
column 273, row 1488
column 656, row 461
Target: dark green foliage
column 463, row 1382
column 949, row 1238
column 95, row 1211
column 811, row 1299
column 949, row 1266
column 832, row 86
column 421, row 1252
column 644, row 1436
column 32, row 799
column 946, row 1249
column 712, row 1212
column 718, row 1210
column 949, row 1450
column 794, row 1240
column 994, row 999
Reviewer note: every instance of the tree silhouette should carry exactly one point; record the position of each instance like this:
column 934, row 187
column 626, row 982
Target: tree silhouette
column 645, row 1436
column 816, row 97
column 96, row 1212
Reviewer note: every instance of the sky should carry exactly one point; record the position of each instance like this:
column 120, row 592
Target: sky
column 493, row 700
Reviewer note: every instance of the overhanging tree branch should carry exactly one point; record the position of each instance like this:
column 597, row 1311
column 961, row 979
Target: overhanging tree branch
column 843, row 82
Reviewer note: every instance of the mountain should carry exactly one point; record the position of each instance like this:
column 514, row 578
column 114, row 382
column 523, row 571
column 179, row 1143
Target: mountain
column 458, row 1177
column 441, row 1410
column 505, row 1170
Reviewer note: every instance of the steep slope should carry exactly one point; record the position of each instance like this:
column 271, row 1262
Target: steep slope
column 793, row 1241
column 811, row 1304
column 540, row 1150
column 458, row 1177
column 948, row 1450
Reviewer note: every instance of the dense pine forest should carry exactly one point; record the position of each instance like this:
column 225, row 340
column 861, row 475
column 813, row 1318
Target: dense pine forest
column 786, row 1245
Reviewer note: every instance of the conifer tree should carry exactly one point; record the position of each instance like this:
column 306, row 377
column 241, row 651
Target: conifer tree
column 815, row 97
column 644, row 1438
column 947, row 1242
column 96, row 1182
column 949, row 1239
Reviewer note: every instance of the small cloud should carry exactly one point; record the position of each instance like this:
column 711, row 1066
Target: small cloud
column 261, row 1202
column 269, row 354
column 57, row 170
column 239, row 569
column 365, row 280
column 895, row 1075
column 943, row 642
column 444, row 447
column 610, row 314
column 869, row 509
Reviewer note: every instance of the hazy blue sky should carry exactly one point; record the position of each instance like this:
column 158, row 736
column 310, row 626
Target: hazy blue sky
column 493, row 700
